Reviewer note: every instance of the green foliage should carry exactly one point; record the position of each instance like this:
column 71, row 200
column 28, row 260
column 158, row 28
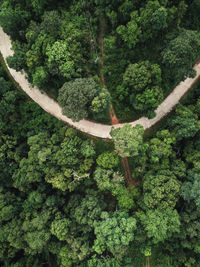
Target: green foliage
column 99, row 262
column 17, row 61
column 145, row 23
column 107, row 179
column 161, row 190
column 40, row 76
column 108, row 160
column 130, row 33
column 126, row 197
column 114, row 233
column 101, row 102
column 160, row 224
column 51, row 22
column 77, row 250
column 4, row 86
column 13, row 20
column 190, row 227
column 159, row 19
column 88, row 148
column 160, row 147
column 60, row 56
column 192, row 155
column 59, row 208
column 60, row 228
column 185, row 124
column 85, row 211
column 55, row 159
column 142, row 84
column 180, row 54
column 128, row 140
column 190, row 188
column 75, row 97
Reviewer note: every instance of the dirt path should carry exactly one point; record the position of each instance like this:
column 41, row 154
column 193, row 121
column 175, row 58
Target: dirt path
column 113, row 117
column 92, row 128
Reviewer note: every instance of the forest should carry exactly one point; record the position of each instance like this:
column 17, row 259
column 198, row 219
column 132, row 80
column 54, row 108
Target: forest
column 66, row 198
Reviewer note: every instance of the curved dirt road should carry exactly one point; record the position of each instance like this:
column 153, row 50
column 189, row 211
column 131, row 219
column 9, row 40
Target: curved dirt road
column 92, row 128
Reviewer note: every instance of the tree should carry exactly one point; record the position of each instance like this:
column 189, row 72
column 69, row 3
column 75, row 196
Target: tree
column 57, row 159
column 13, row 20
column 85, row 210
column 153, row 19
column 126, row 196
column 131, row 33
column 190, row 227
column 128, row 140
column 59, row 54
column 40, row 76
column 107, row 179
column 140, row 75
column 88, row 149
column 75, row 251
column 101, row 261
column 76, row 96
column 161, row 190
column 101, row 102
column 108, row 160
column 142, row 84
column 51, row 22
column 160, row 224
column 159, row 19
column 184, row 124
column 114, row 233
column 145, row 22
column 192, row 155
column 190, row 189
column 60, row 227
column 160, row 147
column 180, row 54
column 17, row 61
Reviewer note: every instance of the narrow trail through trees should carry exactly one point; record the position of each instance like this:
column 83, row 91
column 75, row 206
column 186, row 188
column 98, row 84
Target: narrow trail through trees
column 113, row 117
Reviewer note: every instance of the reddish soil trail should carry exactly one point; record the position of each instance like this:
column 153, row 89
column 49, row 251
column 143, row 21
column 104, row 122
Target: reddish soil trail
column 127, row 171
column 113, row 117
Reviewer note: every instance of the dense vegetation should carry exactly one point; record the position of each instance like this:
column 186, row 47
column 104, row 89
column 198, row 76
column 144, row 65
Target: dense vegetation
column 63, row 197
column 136, row 45
column 64, row 201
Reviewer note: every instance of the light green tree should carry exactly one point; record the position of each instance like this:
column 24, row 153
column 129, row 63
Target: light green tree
column 114, row 233
column 59, row 54
column 101, row 102
column 128, row 140
column 108, row 160
column 160, row 224
column 161, row 190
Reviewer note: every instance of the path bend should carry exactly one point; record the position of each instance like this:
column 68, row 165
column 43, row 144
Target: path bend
column 96, row 129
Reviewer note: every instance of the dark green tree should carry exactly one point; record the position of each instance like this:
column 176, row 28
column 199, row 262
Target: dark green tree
column 76, row 96
column 184, row 124
column 142, row 85
column 17, row 61
column 180, row 54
